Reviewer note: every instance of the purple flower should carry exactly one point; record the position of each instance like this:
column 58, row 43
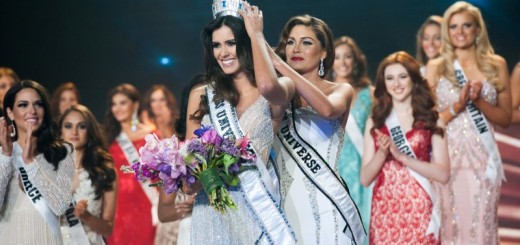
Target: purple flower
column 234, row 168
column 199, row 132
column 211, row 137
column 229, row 147
column 196, row 146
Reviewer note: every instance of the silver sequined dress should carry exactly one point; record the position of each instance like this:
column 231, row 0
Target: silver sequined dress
column 20, row 221
column 238, row 226
column 469, row 200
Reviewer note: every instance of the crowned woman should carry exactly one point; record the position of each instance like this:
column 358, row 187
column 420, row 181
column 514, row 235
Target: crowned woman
column 244, row 97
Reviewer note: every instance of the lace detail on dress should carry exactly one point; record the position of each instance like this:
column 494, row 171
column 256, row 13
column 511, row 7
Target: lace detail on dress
column 401, row 209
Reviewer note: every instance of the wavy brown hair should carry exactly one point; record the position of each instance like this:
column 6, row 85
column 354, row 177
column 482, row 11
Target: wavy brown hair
column 359, row 74
column 48, row 142
column 112, row 126
column 424, row 114
column 320, row 29
column 323, row 34
column 96, row 160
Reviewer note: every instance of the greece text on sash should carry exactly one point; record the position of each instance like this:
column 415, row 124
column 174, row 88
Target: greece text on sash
column 31, row 190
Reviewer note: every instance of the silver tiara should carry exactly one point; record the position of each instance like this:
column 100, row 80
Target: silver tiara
column 227, row 7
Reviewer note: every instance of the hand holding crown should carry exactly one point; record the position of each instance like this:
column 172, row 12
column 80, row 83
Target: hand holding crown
column 253, row 19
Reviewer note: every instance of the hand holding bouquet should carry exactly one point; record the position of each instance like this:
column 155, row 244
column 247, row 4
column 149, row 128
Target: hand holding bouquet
column 162, row 163
column 216, row 162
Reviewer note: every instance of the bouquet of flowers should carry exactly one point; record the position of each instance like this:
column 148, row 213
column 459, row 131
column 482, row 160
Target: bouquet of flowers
column 161, row 162
column 216, row 162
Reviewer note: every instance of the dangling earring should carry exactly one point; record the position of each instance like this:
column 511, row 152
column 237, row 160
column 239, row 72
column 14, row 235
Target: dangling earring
column 13, row 133
column 321, row 71
column 134, row 121
column 476, row 40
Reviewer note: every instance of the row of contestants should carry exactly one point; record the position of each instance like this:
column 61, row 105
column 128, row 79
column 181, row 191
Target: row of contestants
column 391, row 60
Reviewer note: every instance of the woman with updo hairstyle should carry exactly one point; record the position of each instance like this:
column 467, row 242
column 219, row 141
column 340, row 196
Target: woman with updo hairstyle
column 136, row 202
column 94, row 184
column 314, row 197
column 405, row 150
column 473, row 95
column 36, row 168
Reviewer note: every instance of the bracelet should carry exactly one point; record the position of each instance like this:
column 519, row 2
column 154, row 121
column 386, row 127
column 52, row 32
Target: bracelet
column 452, row 111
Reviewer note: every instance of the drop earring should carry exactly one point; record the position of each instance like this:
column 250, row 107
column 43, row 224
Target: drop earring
column 13, row 133
column 134, row 121
column 321, row 70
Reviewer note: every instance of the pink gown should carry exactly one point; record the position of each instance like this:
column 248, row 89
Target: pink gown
column 133, row 221
column 469, row 201
column 401, row 209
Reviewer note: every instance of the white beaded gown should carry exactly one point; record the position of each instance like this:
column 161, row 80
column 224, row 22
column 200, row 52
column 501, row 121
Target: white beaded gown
column 240, row 226
column 20, row 222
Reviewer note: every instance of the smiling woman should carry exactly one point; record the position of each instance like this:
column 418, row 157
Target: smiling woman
column 95, row 184
column 243, row 83
column 472, row 87
column 404, row 149
column 125, row 136
column 31, row 150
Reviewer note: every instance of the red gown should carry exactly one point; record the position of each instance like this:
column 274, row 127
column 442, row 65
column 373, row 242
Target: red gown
column 401, row 209
column 133, row 220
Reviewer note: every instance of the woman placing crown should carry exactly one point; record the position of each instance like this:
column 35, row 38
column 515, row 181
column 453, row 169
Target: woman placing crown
column 315, row 198
column 243, row 92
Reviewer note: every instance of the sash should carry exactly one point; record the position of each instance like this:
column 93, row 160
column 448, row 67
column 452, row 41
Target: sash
column 494, row 162
column 400, row 141
column 355, row 134
column 132, row 156
column 317, row 170
column 77, row 232
column 34, row 195
column 261, row 195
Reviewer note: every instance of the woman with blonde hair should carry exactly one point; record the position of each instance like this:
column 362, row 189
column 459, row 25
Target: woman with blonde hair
column 473, row 95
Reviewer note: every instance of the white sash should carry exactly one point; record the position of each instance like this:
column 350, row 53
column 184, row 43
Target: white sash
column 260, row 192
column 132, row 156
column 494, row 162
column 312, row 165
column 355, row 134
column 34, row 195
column 77, row 232
column 400, row 141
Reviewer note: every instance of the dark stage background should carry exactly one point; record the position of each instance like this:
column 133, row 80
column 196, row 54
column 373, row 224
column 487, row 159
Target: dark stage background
column 99, row 44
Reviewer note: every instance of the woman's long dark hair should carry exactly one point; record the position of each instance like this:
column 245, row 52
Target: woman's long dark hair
column 180, row 126
column 112, row 126
column 96, row 160
column 424, row 114
column 48, row 142
column 223, row 83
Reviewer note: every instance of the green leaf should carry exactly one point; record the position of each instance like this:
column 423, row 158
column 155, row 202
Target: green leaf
column 228, row 160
